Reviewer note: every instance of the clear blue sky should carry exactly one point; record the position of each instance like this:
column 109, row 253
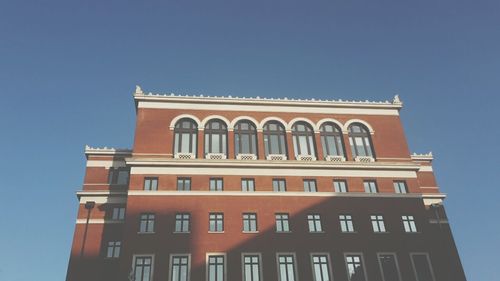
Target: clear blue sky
column 68, row 68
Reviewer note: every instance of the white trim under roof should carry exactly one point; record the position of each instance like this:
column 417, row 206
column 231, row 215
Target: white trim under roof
column 107, row 151
column 229, row 103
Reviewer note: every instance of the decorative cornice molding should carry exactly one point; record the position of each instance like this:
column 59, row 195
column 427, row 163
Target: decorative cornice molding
column 107, row 150
column 141, row 95
column 283, row 164
column 423, row 156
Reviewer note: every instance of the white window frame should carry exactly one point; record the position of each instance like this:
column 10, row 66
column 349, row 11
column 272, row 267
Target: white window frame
column 171, row 258
column 347, row 225
column 378, row 223
column 314, row 221
column 412, row 225
column 182, row 222
column 362, row 263
column 243, row 265
column 328, row 261
column 380, row 264
column 295, row 269
column 250, row 222
column 428, row 260
column 207, row 256
column 120, row 214
column 287, row 220
column 340, row 181
column 114, row 248
column 152, row 256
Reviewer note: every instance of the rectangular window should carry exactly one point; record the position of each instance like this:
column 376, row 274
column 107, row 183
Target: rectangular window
column 377, row 223
column 216, row 222
column 355, row 268
column 422, row 267
column 182, row 222
column 123, row 176
column 183, row 184
column 179, row 268
column 282, row 224
column 251, row 267
column 286, row 267
column 150, row 183
column 389, row 267
column 216, row 184
column 370, row 186
column 113, row 250
column 247, row 185
column 143, row 268
column 279, row 185
column 314, row 221
column 409, row 223
column 320, row 266
column 118, row 213
column 118, row 176
column 310, row 186
column 249, row 222
column 147, row 223
column 346, row 224
column 340, row 185
column 216, row 268
column 400, row 187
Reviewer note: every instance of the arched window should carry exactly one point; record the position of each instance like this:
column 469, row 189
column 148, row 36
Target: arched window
column 215, row 137
column 185, row 136
column 359, row 139
column 274, row 138
column 245, row 138
column 303, row 139
column 331, row 140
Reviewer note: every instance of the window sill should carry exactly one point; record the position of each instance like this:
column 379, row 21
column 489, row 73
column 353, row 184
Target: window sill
column 181, row 232
column 284, row 232
column 250, row 232
column 349, row 232
column 216, row 232
column 317, row 232
column 149, row 232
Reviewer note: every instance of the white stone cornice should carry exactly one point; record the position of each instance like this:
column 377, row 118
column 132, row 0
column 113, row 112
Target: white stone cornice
column 107, row 151
column 320, row 164
column 422, row 157
column 139, row 95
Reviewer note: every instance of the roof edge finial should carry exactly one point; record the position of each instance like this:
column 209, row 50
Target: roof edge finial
column 138, row 90
column 397, row 100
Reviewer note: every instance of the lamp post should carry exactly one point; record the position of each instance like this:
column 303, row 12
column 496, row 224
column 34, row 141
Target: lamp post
column 89, row 205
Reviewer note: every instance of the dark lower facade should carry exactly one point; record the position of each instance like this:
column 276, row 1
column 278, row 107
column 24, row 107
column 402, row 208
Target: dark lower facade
column 318, row 243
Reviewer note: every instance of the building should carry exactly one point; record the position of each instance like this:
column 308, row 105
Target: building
column 227, row 189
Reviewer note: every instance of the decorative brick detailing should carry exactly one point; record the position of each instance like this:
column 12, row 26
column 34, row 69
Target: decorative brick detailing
column 276, row 157
column 335, row 158
column 184, row 156
column 364, row 159
column 306, row 158
column 215, row 156
column 246, row 156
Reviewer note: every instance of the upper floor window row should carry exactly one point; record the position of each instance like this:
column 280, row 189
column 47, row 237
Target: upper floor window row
column 274, row 133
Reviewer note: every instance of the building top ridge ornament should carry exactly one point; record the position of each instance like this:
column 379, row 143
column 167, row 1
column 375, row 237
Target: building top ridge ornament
column 106, row 150
column 422, row 156
column 396, row 102
column 138, row 90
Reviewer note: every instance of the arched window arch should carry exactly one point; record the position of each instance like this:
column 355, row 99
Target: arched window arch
column 331, row 139
column 216, row 137
column 185, row 136
column 359, row 139
column 245, row 138
column 303, row 139
column 274, row 138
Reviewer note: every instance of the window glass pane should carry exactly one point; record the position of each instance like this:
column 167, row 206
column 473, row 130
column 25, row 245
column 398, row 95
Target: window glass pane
column 423, row 269
column 389, row 267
